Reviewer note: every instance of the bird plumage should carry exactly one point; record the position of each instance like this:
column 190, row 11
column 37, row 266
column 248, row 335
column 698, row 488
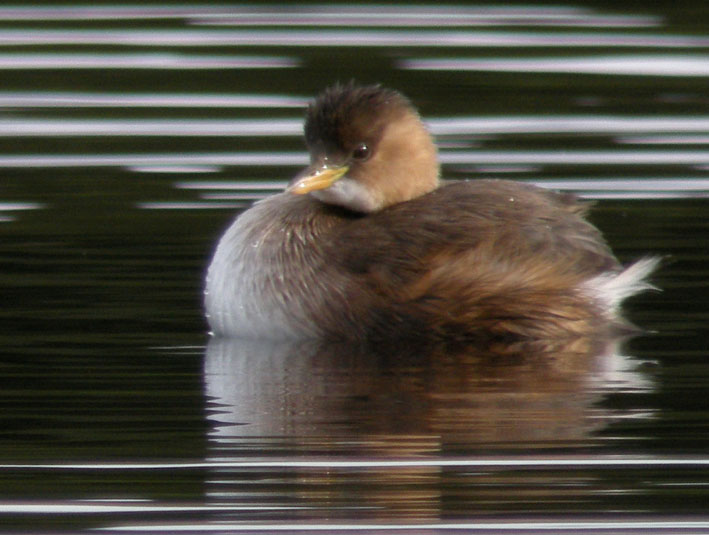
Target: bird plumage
column 392, row 254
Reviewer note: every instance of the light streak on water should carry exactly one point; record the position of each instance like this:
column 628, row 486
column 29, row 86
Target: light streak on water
column 597, row 462
column 624, row 188
column 127, row 506
column 253, row 196
column 631, row 65
column 441, row 16
column 176, row 169
column 522, row 526
column 537, row 157
column 665, row 140
column 150, row 127
column 568, row 124
column 345, row 37
column 240, row 185
column 14, row 206
column 326, row 15
column 171, row 61
column 293, row 127
column 577, row 157
column 153, row 161
column 624, row 184
column 70, row 99
column 191, row 205
column 643, row 195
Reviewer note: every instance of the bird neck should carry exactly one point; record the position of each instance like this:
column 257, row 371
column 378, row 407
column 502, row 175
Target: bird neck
column 408, row 165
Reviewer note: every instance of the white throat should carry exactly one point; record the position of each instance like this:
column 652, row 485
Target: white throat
column 349, row 194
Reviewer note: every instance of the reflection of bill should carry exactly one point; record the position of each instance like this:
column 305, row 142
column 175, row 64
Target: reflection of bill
column 522, row 395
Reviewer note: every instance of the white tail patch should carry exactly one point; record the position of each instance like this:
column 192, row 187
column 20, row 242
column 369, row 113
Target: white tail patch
column 612, row 288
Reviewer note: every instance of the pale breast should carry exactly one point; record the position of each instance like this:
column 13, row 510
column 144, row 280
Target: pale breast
column 269, row 277
column 244, row 296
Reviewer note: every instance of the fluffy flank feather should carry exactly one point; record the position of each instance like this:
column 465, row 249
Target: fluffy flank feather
column 612, row 288
column 495, row 301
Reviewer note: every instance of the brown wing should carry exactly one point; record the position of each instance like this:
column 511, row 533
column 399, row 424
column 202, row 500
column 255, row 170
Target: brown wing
column 511, row 220
column 473, row 258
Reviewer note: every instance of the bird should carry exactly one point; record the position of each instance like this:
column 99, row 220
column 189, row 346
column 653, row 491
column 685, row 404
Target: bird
column 369, row 244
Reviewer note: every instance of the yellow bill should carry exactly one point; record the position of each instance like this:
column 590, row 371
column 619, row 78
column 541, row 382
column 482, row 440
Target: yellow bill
column 319, row 179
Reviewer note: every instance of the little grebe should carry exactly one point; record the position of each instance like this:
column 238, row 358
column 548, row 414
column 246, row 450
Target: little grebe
column 365, row 244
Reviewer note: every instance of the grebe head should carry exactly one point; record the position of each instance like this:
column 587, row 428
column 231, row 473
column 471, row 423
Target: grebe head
column 368, row 149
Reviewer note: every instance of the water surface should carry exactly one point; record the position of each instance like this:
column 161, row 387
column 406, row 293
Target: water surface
column 131, row 135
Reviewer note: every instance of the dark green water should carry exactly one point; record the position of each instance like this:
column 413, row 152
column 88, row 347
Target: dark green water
column 129, row 138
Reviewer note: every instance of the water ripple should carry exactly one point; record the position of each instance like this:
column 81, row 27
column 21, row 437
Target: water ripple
column 531, row 124
column 635, row 64
column 628, row 526
column 502, row 157
column 326, row 15
column 598, row 462
column 344, row 37
column 71, row 99
column 140, row 61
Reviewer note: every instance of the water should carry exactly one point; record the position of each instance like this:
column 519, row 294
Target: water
column 129, row 138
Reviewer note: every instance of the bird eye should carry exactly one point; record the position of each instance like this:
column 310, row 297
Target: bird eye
column 362, row 152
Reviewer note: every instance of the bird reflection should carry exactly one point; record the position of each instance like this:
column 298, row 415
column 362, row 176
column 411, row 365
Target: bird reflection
column 523, row 395
column 325, row 401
